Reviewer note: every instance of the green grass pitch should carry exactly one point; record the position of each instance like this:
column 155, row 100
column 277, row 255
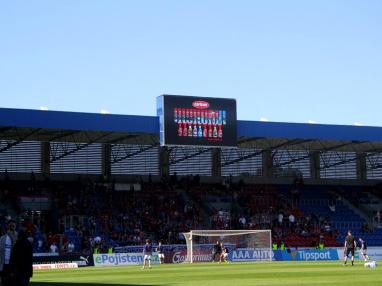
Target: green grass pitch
column 266, row 273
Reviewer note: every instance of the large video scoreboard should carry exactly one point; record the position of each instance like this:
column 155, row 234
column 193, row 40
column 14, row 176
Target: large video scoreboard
column 197, row 121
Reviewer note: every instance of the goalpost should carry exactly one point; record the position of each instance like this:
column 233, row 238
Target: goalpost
column 243, row 245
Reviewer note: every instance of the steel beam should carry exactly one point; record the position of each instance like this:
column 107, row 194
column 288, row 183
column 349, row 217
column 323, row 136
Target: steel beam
column 290, row 143
column 18, row 141
column 79, row 147
column 201, row 151
column 129, row 155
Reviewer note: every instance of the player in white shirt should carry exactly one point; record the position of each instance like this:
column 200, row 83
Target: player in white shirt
column 224, row 253
column 147, row 251
column 363, row 249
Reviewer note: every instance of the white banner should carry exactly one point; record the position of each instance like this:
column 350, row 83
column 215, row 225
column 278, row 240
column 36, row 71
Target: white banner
column 374, row 253
column 54, row 266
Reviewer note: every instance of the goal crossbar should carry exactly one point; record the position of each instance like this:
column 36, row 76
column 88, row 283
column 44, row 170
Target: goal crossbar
column 222, row 232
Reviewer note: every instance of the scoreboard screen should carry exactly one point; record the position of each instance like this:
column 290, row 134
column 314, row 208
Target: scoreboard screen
column 197, row 121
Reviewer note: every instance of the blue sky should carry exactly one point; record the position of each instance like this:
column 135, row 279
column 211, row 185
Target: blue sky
column 289, row 61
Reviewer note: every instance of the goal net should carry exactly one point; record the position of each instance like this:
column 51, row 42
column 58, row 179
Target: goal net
column 242, row 245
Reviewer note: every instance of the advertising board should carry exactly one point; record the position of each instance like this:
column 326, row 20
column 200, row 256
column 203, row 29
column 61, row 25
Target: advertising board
column 119, row 259
column 310, row 255
column 250, row 254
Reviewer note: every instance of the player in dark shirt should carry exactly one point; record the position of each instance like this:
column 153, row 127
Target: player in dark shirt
column 160, row 252
column 349, row 247
column 147, row 251
column 363, row 249
column 217, row 251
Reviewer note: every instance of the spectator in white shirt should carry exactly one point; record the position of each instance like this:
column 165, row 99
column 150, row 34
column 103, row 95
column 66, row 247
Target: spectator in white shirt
column 242, row 221
column 6, row 243
column 53, row 248
column 40, row 244
column 291, row 220
column 70, row 247
column 280, row 218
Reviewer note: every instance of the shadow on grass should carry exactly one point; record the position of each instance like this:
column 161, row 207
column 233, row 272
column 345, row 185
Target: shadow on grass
column 85, row 284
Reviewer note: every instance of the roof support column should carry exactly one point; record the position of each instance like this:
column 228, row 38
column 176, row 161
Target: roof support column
column 106, row 160
column 164, row 161
column 314, row 157
column 216, row 162
column 361, row 166
column 267, row 163
column 45, row 157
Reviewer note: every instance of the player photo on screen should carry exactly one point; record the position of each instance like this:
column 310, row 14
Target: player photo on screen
column 198, row 121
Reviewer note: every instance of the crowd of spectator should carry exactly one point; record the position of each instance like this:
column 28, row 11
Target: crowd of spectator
column 262, row 207
column 87, row 215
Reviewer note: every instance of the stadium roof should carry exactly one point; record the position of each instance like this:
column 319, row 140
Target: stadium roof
column 25, row 124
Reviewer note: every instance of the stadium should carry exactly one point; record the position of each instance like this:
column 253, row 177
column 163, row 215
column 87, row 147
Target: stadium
column 90, row 189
